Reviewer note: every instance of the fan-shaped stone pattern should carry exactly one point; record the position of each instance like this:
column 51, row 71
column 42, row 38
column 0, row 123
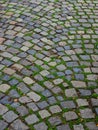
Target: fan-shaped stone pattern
column 48, row 64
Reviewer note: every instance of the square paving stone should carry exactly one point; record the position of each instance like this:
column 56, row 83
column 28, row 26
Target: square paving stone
column 3, row 109
column 63, row 127
column 61, row 67
column 7, row 63
column 28, row 80
column 18, row 125
column 78, row 127
column 15, row 104
column 25, row 99
column 52, row 100
column 70, row 115
column 4, row 87
column 44, row 114
column 13, row 82
column 91, row 126
column 78, row 84
column 34, row 96
column 85, row 92
column 57, row 81
column 26, row 72
column 87, row 113
column 82, row 102
column 10, row 116
column 6, row 78
column 41, row 126
column 31, row 119
column 22, row 87
column 68, row 104
column 79, row 76
column 33, row 106
column 9, row 71
column 55, row 109
column 14, row 94
column 6, row 100
column 42, row 104
column 94, row 102
column 44, row 73
column 55, row 121
column 71, row 92
column 46, row 93
column 3, row 125
column 22, row 110
column 38, row 88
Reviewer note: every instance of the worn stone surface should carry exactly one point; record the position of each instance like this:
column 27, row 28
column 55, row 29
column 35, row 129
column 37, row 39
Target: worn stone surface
column 31, row 119
column 70, row 116
column 10, row 116
column 49, row 64
column 18, row 125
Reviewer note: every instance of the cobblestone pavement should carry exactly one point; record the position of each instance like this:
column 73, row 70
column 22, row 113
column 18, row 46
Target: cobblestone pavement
column 49, row 65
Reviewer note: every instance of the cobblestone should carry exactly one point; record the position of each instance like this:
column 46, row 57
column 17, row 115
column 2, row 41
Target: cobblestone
column 49, row 65
column 10, row 116
column 31, row 119
column 70, row 115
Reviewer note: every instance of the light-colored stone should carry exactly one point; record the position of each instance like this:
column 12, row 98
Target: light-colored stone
column 9, row 71
column 35, row 97
column 58, row 81
column 44, row 114
column 28, row 80
column 1, row 40
column 28, row 44
column 15, row 58
column 17, row 67
column 92, row 77
column 52, row 63
column 55, row 109
column 24, row 99
column 78, row 127
column 71, row 92
column 44, row 73
column 24, row 48
column 4, row 87
column 82, row 102
column 78, row 84
column 7, row 55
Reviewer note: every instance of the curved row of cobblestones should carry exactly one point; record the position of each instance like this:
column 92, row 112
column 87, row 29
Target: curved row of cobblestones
column 49, row 65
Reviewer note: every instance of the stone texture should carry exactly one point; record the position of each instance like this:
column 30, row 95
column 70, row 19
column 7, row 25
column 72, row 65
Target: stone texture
column 44, row 114
column 4, row 87
column 87, row 113
column 28, row 80
column 55, row 109
column 3, row 109
column 78, row 127
column 31, row 119
column 63, row 127
column 48, row 64
column 41, row 126
column 71, row 93
column 35, row 97
column 70, row 116
column 78, row 84
column 10, row 116
column 18, row 125
column 3, row 125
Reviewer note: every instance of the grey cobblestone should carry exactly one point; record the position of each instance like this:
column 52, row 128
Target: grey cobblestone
column 48, row 65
